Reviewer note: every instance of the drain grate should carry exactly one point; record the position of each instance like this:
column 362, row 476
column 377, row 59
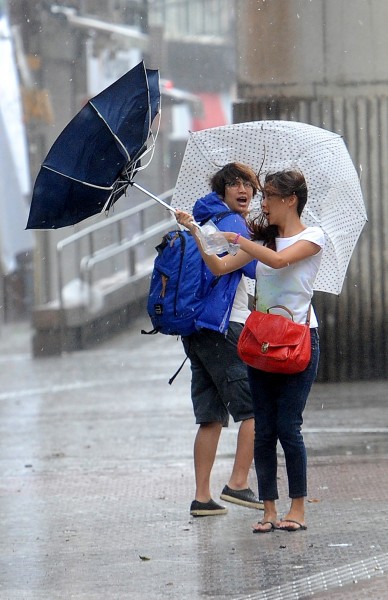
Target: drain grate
column 327, row 580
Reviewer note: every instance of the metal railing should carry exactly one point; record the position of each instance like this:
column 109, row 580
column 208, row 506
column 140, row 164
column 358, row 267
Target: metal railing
column 111, row 245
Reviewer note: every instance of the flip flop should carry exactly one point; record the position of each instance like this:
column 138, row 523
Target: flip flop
column 265, row 530
column 290, row 528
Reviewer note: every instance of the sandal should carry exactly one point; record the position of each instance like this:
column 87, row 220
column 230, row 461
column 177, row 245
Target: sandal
column 299, row 527
column 265, row 530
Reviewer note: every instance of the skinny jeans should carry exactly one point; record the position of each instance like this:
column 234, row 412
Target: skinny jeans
column 278, row 404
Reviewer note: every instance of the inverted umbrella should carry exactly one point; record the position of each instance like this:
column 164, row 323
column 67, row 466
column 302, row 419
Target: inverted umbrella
column 94, row 159
column 335, row 201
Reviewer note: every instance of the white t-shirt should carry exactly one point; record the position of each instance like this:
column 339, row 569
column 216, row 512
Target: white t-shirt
column 240, row 310
column 291, row 286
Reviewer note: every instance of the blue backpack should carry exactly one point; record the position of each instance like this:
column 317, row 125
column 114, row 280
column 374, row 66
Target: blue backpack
column 180, row 284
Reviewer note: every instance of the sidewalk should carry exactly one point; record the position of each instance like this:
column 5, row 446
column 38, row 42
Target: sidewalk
column 96, row 480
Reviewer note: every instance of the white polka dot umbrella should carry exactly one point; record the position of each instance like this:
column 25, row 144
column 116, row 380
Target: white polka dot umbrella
column 335, row 201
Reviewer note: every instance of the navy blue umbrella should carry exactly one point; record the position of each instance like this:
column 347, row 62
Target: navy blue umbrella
column 94, row 159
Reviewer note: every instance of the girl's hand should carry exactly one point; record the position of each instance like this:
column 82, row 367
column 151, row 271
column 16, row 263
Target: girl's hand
column 229, row 236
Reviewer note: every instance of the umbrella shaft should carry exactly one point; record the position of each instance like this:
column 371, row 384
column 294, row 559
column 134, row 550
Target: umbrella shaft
column 139, row 187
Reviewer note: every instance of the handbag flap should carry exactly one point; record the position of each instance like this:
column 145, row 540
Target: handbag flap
column 274, row 330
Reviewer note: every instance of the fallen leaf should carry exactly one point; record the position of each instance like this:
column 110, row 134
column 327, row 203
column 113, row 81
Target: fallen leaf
column 144, row 557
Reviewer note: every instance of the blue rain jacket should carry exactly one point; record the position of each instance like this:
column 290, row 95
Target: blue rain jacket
column 216, row 313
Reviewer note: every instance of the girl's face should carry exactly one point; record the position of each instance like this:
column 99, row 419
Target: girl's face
column 273, row 204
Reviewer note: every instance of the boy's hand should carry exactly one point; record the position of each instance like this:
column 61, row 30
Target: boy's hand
column 185, row 219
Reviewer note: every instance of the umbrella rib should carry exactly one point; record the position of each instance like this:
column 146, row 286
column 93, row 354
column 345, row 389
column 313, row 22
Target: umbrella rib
column 150, row 149
column 93, row 185
column 214, row 164
column 112, row 132
column 150, row 119
column 153, row 136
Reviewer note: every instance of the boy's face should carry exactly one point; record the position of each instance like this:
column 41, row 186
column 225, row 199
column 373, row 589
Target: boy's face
column 238, row 196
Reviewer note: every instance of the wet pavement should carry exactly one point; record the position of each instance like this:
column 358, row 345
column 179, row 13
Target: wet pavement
column 96, row 480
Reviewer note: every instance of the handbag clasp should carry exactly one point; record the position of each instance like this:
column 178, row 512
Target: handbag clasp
column 264, row 347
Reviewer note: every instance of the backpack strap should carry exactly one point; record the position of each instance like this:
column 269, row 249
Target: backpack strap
column 152, row 332
column 171, row 380
column 222, row 215
column 218, row 217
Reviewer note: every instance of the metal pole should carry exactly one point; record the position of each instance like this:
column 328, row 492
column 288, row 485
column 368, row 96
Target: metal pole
column 139, row 187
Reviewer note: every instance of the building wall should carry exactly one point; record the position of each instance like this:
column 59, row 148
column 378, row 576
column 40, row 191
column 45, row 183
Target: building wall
column 311, row 48
column 324, row 63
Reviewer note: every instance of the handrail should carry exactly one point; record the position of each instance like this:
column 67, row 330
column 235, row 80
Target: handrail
column 88, row 262
column 109, row 220
column 85, row 264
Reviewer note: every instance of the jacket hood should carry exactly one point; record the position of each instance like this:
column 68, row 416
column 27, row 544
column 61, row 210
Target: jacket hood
column 207, row 207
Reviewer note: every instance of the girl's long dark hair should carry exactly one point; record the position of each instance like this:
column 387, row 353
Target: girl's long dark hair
column 286, row 183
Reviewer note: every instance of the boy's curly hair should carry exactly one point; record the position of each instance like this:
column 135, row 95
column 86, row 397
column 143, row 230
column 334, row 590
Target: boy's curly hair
column 230, row 173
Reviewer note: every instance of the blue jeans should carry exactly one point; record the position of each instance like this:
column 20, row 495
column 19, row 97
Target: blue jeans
column 278, row 404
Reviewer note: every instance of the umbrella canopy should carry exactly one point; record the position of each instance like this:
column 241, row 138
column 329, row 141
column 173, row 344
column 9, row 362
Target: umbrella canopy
column 93, row 160
column 335, row 201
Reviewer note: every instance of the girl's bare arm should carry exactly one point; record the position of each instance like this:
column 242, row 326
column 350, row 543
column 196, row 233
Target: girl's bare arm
column 248, row 250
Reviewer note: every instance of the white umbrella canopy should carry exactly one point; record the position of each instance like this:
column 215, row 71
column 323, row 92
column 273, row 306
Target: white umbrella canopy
column 335, row 201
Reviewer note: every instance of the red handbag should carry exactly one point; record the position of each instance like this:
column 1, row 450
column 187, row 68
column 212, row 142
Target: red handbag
column 273, row 343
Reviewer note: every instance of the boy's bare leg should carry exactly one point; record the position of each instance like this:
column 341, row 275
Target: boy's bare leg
column 205, row 448
column 244, row 456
